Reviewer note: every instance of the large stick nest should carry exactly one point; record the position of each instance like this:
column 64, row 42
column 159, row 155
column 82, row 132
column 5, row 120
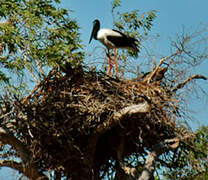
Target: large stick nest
column 76, row 121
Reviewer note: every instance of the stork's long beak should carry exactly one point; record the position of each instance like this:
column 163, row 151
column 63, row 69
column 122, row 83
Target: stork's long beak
column 93, row 33
column 96, row 27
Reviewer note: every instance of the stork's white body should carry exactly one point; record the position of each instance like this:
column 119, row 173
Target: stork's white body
column 104, row 33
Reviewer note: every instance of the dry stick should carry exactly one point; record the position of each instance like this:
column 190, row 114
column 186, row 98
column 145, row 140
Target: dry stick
column 160, row 63
column 149, row 166
column 181, row 85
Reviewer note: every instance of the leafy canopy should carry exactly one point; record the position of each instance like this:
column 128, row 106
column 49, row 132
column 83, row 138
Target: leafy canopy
column 35, row 35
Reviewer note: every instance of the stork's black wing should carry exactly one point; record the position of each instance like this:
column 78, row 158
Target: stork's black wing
column 123, row 41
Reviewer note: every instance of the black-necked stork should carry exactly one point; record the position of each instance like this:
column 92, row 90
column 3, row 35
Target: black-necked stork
column 112, row 39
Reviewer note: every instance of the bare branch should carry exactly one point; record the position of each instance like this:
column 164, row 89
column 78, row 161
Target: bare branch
column 181, row 85
column 147, row 173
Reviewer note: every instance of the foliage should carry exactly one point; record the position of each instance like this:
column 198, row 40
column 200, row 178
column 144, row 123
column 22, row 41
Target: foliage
column 36, row 35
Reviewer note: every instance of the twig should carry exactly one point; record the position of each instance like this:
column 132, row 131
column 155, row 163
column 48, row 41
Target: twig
column 32, row 75
column 28, row 70
column 7, row 114
column 181, row 85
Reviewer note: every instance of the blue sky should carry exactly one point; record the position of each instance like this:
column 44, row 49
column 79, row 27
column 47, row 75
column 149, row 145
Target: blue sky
column 171, row 16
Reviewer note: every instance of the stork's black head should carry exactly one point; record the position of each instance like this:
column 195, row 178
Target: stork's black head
column 96, row 27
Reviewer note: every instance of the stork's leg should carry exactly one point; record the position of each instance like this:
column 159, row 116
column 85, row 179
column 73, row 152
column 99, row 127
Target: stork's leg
column 115, row 63
column 109, row 63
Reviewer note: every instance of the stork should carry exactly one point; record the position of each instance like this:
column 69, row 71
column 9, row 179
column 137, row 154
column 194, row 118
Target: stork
column 112, row 39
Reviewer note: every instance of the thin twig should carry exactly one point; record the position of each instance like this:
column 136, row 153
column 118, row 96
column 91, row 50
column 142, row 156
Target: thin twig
column 28, row 70
column 32, row 93
column 39, row 67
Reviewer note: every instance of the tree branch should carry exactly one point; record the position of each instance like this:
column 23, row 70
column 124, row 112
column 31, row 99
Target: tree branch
column 181, row 85
column 141, row 108
column 7, row 138
column 132, row 173
column 157, row 149
column 25, row 167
